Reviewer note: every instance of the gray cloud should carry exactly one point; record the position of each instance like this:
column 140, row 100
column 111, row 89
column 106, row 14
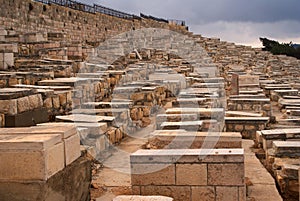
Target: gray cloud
column 235, row 20
column 212, row 10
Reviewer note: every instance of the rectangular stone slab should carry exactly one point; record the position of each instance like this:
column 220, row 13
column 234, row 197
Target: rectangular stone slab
column 203, row 112
column 141, row 198
column 94, row 128
column 30, row 142
column 242, row 114
column 14, row 93
column 85, row 118
column 170, row 156
column 187, row 125
column 195, row 140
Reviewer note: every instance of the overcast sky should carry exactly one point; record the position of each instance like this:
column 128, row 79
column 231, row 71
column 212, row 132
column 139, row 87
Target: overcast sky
column 239, row 21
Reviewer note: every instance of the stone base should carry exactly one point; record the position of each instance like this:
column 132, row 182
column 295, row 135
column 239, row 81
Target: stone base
column 70, row 184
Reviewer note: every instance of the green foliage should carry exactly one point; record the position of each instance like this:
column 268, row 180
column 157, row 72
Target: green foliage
column 280, row 48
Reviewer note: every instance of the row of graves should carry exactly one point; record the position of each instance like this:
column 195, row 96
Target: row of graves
column 61, row 118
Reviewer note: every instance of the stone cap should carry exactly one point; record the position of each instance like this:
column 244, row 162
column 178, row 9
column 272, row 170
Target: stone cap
column 142, row 198
column 171, row 133
column 85, row 118
column 28, row 142
column 170, row 156
column 14, row 93
column 247, row 118
column 64, row 131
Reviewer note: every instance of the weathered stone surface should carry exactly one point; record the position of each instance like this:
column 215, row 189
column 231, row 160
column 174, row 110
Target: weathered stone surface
column 59, row 187
column 226, row 174
column 203, row 193
column 286, row 148
column 154, row 174
column 191, row 174
column 23, row 104
column 35, row 101
column 142, row 198
column 37, row 157
column 227, row 193
column 9, row 107
column 177, row 192
column 194, row 140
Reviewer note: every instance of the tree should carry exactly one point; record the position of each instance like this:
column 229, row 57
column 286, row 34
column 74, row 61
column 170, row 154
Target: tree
column 280, row 48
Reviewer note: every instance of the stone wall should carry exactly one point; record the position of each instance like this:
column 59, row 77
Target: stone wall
column 60, row 187
column 77, row 26
column 186, row 175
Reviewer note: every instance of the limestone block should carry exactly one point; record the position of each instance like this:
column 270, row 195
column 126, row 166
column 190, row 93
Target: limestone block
column 142, row 198
column 30, row 157
column 6, row 60
column 35, row 101
column 3, row 32
column 48, row 103
column 176, row 192
column 23, row 104
column 72, row 149
column 55, row 102
column 242, row 193
column 2, row 120
column 59, row 187
column 203, row 193
column 137, row 96
column 62, row 98
column 226, row 174
column 286, row 148
column 69, row 136
column 154, row 174
column 191, row 174
column 227, row 193
column 9, row 106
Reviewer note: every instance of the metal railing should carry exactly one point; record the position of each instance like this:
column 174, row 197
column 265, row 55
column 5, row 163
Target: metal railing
column 104, row 10
column 153, row 18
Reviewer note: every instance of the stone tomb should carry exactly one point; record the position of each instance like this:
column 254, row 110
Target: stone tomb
column 189, row 175
column 266, row 137
column 246, row 125
column 22, row 107
column 286, row 149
